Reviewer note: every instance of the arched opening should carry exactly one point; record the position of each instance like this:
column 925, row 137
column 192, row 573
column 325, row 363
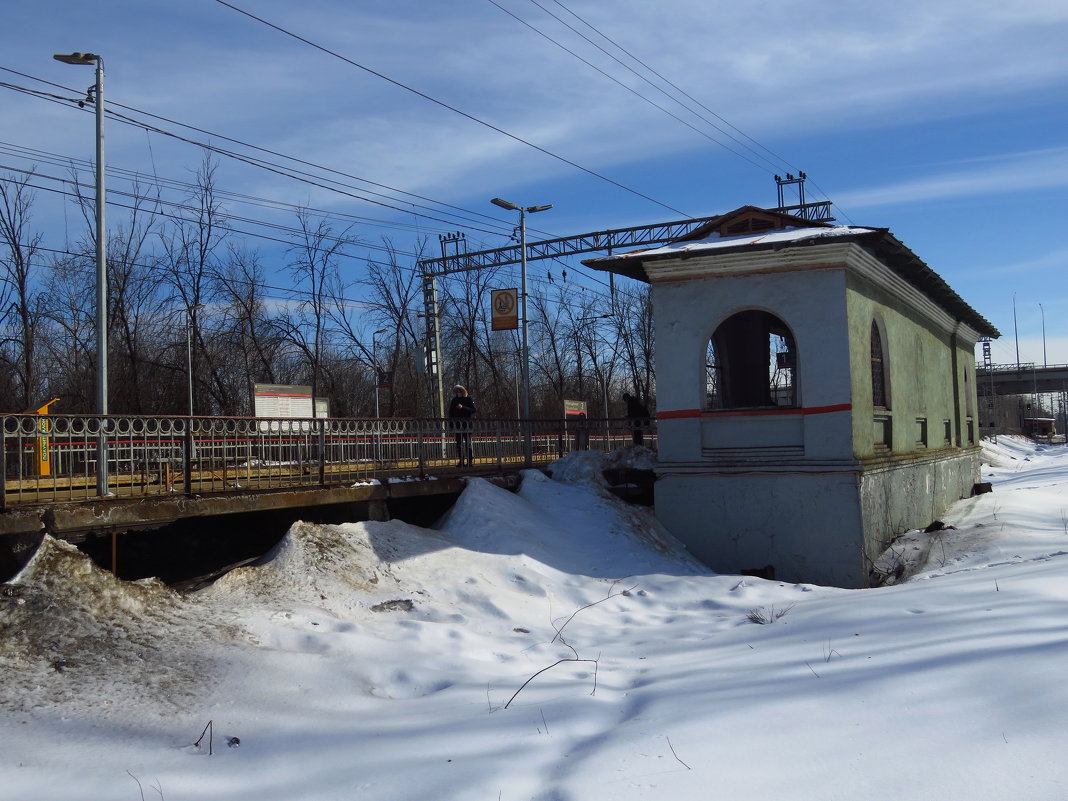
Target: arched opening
column 879, row 397
column 751, row 362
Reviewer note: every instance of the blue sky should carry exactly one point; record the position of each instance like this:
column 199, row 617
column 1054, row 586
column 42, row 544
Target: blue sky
column 941, row 120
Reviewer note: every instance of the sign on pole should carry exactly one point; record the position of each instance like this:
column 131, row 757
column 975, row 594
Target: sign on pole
column 505, row 309
column 575, row 408
column 281, row 400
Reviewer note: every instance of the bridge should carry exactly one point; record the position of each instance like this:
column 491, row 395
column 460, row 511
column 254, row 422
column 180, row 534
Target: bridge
column 78, row 475
column 1020, row 379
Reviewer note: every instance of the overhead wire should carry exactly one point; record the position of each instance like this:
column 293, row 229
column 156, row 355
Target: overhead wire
column 135, row 177
column 222, row 225
column 270, row 166
column 449, row 107
column 217, row 135
column 254, row 162
column 630, row 89
column 674, row 86
column 172, row 204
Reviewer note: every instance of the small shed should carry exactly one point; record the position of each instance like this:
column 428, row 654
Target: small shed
column 815, row 392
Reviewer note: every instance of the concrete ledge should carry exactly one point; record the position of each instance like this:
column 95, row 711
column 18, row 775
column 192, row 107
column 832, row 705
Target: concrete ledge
column 65, row 519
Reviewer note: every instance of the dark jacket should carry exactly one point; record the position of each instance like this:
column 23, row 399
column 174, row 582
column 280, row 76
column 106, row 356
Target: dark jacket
column 635, row 408
column 461, row 407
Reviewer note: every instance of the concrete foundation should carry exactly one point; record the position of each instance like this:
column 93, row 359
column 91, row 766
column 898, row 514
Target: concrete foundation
column 820, row 526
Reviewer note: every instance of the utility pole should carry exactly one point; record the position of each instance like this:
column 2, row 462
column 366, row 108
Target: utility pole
column 92, row 59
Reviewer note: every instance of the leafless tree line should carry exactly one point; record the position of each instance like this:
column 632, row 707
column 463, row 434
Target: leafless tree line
column 183, row 289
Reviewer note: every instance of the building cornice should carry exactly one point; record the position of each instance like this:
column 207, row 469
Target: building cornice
column 845, row 256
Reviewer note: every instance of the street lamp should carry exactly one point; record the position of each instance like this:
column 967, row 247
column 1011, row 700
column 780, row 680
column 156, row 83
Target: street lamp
column 374, row 358
column 523, row 212
column 90, row 59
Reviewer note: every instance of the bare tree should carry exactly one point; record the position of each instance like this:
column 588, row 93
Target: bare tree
column 395, row 294
column 20, row 310
column 70, row 341
column 314, row 263
column 633, row 319
column 550, row 356
column 239, row 286
column 465, row 328
column 190, row 262
column 136, row 307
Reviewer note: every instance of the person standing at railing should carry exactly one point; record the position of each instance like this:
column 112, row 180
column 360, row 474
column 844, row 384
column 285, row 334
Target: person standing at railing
column 637, row 417
column 461, row 410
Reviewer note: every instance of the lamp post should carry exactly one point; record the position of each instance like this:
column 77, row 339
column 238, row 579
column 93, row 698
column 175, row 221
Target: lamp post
column 91, row 59
column 523, row 212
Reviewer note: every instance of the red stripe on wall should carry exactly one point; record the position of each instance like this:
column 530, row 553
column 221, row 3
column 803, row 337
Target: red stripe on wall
column 692, row 413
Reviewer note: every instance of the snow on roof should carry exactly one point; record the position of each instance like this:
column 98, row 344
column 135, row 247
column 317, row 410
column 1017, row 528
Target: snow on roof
column 716, row 241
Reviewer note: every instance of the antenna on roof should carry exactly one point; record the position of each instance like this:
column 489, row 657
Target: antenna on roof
column 819, row 211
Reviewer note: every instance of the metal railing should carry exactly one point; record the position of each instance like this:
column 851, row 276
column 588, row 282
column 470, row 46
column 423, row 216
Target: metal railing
column 53, row 458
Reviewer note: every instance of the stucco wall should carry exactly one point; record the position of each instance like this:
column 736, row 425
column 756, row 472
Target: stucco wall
column 806, row 525
column 925, row 364
column 900, row 495
column 810, row 302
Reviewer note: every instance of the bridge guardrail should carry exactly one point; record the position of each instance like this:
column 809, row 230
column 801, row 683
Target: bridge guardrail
column 53, row 458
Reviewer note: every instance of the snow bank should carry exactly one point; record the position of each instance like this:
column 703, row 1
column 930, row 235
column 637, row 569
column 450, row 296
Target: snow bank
column 1002, row 527
column 552, row 643
column 72, row 631
column 586, row 468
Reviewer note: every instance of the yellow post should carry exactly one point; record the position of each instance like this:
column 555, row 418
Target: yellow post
column 41, row 448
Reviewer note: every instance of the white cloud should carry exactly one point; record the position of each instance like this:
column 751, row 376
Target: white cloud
column 1014, row 172
column 1053, row 260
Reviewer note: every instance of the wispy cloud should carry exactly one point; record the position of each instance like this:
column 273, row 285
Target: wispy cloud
column 1005, row 174
column 1054, row 260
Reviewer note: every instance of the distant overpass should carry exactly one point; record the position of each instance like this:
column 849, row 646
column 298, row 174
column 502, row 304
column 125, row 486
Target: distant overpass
column 1021, row 379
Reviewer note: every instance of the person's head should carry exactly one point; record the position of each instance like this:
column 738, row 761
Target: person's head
column 626, row 396
column 458, row 391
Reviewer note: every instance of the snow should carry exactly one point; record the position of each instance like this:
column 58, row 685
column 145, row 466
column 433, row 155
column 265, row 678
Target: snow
column 553, row 644
column 717, row 241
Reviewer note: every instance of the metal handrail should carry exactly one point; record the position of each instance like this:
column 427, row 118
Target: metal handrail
column 53, row 458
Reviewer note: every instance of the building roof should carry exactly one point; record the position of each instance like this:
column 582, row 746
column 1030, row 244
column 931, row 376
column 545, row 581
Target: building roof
column 753, row 229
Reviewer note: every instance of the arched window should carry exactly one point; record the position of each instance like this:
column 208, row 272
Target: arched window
column 879, row 397
column 751, row 361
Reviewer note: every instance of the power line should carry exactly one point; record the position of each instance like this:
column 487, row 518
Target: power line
column 175, row 217
column 232, row 229
column 136, row 178
column 148, row 128
column 136, row 175
column 674, row 86
column 222, row 224
column 448, row 107
column 263, row 163
column 631, row 89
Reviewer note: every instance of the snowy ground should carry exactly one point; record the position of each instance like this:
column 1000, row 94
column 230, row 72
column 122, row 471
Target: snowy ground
column 552, row 645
